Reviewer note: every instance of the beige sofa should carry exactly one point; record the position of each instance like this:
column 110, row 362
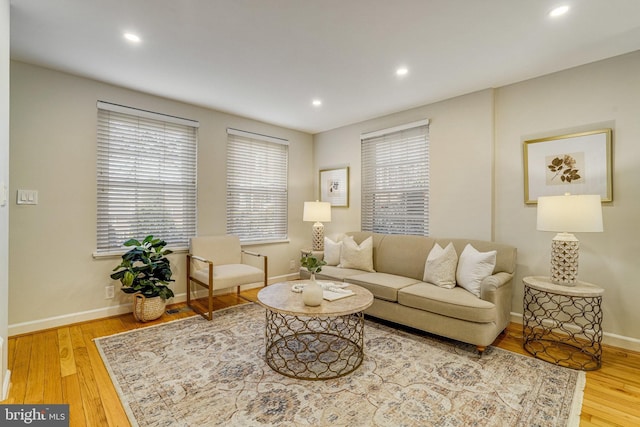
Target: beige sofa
column 401, row 295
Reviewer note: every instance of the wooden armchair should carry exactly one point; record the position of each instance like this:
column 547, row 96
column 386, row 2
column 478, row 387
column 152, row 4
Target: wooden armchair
column 215, row 262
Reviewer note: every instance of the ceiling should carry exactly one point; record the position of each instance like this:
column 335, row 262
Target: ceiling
column 268, row 59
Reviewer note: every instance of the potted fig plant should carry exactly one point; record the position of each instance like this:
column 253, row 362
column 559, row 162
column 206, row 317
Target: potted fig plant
column 146, row 273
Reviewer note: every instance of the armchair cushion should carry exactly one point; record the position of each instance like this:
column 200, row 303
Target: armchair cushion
column 229, row 276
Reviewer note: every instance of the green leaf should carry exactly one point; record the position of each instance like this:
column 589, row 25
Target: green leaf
column 127, row 279
column 132, row 242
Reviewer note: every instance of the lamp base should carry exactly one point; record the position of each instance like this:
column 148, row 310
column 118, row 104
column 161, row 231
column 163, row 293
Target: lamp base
column 318, row 237
column 564, row 259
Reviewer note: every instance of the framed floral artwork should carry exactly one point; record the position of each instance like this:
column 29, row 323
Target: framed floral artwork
column 334, row 186
column 578, row 163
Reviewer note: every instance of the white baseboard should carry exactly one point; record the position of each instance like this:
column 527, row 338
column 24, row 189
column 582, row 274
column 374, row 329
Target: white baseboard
column 608, row 338
column 114, row 310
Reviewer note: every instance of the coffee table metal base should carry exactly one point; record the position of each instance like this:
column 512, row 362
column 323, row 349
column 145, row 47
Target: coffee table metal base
column 314, row 348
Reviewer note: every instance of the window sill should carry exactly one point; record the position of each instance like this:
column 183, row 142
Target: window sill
column 118, row 254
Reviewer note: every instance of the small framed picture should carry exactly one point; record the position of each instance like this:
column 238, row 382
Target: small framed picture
column 578, row 163
column 334, row 186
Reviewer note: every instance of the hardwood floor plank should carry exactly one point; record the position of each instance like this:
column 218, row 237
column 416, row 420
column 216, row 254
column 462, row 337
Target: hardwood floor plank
column 73, row 396
column 52, row 374
column 35, row 378
column 111, row 404
column 20, row 367
column 622, row 395
column 605, row 412
column 65, row 348
column 77, row 339
column 89, row 390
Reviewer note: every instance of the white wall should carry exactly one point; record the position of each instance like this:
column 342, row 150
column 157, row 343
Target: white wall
column 461, row 161
column 53, row 276
column 4, row 180
column 598, row 95
column 477, row 180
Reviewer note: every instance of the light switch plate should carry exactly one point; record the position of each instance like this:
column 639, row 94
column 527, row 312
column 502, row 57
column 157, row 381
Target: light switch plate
column 27, row 197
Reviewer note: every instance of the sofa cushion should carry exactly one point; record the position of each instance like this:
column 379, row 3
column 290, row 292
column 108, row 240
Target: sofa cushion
column 402, row 255
column 457, row 302
column 473, row 267
column 332, row 250
column 440, row 268
column 332, row 273
column 357, row 256
column 382, row 285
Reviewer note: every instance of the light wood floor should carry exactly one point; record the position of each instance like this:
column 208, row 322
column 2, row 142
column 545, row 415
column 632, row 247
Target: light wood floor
column 62, row 365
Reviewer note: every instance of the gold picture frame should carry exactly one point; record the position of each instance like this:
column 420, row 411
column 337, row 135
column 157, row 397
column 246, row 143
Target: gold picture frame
column 578, row 163
column 334, row 186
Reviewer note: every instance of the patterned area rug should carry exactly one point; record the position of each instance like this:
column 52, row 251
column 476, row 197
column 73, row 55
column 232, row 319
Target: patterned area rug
column 197, row 373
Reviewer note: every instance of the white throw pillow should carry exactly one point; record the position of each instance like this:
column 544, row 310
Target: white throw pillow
column 440, row 268
column 332, row 251
column 357, row 256
column 473, row 267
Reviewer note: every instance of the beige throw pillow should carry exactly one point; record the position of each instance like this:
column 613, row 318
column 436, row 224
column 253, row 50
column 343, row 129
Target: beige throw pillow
column 332, row 251
column 473, row 267
column 357, row 256
column 440, row 268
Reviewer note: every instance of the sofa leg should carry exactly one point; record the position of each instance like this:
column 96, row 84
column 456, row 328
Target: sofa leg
column 481, row 349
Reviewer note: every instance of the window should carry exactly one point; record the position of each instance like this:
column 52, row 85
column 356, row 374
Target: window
column 146, row 177
column 257, row 194
column 395, row 180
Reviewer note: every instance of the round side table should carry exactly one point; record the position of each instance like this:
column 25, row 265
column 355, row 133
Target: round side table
column 563, row 324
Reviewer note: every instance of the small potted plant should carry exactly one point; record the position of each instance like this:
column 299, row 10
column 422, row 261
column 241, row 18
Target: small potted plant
column 312, row 293
column 312, row 264
column 145, row 272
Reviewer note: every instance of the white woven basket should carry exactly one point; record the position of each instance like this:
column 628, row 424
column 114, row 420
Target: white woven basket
column 146, row 309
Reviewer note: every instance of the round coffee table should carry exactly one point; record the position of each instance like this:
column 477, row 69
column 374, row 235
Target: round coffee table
column 313, row 343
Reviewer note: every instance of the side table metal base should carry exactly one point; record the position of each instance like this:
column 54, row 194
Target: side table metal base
column 563, row 329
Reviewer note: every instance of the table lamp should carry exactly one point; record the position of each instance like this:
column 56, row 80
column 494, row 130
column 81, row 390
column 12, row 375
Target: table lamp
column 317, row 212
column 565, row 214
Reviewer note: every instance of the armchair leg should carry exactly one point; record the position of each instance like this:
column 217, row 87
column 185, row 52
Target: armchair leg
column 266, row 271
column 193, row 305
column 481, row 349
column 210, row 301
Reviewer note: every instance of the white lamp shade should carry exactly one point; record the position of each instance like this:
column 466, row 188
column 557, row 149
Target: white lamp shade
column 570, row 213
column 317, row 211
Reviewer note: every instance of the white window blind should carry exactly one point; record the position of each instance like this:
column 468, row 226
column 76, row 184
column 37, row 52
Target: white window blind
column 146, row 164
column 395, row 180
column 257, row 193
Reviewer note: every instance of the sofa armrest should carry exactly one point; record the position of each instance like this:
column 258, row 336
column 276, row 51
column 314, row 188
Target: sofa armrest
column 493, row 284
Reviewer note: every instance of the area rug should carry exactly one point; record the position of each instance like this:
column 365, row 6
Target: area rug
column 192, row 372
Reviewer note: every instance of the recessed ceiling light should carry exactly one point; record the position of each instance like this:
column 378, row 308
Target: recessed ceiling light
column 132, row 37
column 316, row 102
column 558, row 11
column 402, row 71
